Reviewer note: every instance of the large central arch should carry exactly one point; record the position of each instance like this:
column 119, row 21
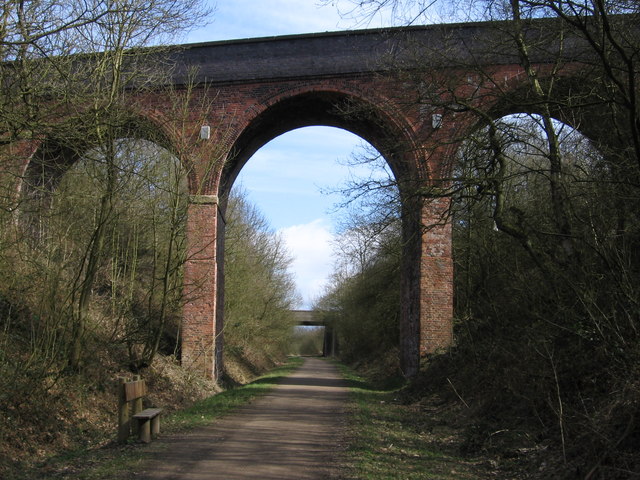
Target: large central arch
column 316, row 106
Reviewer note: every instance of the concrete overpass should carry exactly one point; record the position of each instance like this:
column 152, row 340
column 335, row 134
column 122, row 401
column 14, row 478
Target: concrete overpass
column 313, row 318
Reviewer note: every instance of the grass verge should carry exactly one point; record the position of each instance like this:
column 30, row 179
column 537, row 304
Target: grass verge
column 115, row 461
column 389, row 440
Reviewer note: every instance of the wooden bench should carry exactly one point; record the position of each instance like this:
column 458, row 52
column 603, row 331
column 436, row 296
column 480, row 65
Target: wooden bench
column 145, row 422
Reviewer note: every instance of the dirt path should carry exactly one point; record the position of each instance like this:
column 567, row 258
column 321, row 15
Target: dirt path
column 291, row 433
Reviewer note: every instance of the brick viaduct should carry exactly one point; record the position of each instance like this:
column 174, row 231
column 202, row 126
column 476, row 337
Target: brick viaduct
column 406, row 91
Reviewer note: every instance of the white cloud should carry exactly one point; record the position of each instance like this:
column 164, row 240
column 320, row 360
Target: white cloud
column 310, row 246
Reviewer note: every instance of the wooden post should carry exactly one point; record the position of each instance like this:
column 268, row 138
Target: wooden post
column 155, row 426
column 144, row 433
column 124, row 420
column 137, row 408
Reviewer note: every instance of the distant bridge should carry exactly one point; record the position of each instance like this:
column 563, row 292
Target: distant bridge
column 312, row 318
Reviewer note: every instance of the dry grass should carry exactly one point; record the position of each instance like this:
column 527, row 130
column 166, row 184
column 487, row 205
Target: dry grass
column 79, row 412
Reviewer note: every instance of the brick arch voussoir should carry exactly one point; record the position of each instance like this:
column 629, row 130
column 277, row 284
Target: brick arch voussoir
column 161, row 130
column 384, row 107
column 390, row 117
column 572, row 102
column 53, row 149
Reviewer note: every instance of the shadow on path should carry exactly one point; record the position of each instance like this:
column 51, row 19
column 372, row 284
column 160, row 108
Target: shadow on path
column 290, row 433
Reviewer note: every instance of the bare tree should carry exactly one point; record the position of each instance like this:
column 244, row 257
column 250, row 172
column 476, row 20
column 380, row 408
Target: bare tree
column 70, row 67
column 546, row 222
column 259, row 288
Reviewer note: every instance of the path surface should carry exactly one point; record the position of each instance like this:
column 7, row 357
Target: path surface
column 291, row 433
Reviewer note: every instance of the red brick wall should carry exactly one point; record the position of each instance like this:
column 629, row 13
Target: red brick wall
column 201, row 281
column 436, row 279
column 232, row 110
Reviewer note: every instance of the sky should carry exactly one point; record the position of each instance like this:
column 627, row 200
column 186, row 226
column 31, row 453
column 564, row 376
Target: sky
column 235, row 19
column 285, row 178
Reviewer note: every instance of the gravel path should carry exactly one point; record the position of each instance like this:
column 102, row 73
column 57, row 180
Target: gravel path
column 291, row 433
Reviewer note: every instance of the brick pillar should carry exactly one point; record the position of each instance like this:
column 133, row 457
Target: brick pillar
column 427, row 284
column 200, row 287
column 410, row 290
column 436, row 278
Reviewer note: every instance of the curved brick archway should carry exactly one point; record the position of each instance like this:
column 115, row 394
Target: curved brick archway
column 41, row 163
column 316, row 106
column 391, row 135
column 427, row 276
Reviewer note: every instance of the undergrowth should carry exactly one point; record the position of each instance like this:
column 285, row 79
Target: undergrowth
column 111, row 461
column 389, row 439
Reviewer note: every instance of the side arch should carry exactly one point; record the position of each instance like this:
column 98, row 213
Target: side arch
column 573, row 100
column 52, row 155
